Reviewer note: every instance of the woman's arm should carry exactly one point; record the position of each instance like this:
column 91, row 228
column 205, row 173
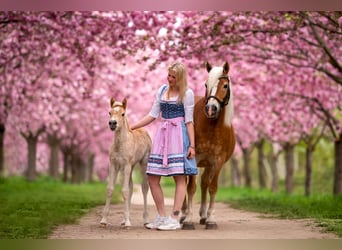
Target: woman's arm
column 143, row 122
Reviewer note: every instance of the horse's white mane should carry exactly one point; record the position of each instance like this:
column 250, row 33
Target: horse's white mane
column 214, row 74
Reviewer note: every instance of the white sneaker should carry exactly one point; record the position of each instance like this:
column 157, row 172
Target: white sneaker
column 156, row 222
column 169, row 224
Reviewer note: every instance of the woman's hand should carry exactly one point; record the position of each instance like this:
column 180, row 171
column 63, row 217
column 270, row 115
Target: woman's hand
column 191, row 153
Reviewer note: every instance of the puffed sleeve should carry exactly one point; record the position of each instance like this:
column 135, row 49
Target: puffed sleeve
column 189, row 104
column 155, row 110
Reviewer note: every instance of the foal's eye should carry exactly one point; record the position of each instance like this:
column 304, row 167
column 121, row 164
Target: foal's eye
column 123, row 114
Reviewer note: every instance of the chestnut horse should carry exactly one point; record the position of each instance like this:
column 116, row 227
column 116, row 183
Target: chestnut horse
column 215, row 142
column 129, row 148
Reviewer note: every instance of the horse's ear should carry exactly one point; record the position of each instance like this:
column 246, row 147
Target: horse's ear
column 226, row 68
column 124, row 103
column 208, row 66
column 112, row 100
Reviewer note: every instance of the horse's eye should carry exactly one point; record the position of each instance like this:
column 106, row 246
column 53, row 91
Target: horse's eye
column 109, row 113
column 225, row 86
column 123, row 114
column 206, row 86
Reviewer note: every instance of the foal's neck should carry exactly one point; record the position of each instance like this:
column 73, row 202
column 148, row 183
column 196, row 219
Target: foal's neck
column 121, row 135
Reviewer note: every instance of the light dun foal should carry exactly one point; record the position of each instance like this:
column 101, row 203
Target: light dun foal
column 128, row 149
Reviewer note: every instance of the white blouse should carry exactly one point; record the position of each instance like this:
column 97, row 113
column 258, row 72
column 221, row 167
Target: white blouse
column 188, row 102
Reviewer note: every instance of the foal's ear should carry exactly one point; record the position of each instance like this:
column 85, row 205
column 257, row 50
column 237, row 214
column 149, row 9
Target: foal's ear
column 226, row 68
column 208, row 66
column 124, row 103
column 112, row 101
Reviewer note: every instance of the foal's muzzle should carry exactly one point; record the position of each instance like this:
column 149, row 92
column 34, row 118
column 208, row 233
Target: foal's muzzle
column 112, row 125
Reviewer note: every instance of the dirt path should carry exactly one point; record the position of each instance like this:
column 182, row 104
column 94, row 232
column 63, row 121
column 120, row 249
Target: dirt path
column 232, row 224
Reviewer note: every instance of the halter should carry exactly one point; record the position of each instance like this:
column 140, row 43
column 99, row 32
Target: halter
column 225, row 100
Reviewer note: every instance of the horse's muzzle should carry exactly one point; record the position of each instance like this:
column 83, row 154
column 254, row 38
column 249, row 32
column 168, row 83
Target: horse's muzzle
column 112, row 125
column 211, row 111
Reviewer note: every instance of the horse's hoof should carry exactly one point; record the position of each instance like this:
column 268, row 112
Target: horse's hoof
column 211, row 225
column 203, row 221
column 188, row 226
column 102, row 224
column 182, row 219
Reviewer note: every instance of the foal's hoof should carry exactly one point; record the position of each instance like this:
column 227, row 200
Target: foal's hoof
column 103, row 225
column 211, row 225
column 188, row 226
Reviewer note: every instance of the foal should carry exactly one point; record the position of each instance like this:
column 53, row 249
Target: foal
column 128, row 149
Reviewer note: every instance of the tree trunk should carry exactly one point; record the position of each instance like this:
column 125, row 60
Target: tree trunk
column 65, row 165
column 31, row 173
column 77, row 169
column 246, row 167
column 2, row 149
column 235, row 172
column 90, row 168
column 75, row 175
column 308, row 169
column 273, row 161
column 261, row 165
column 289, row 165
column 338, row 166
column 54, row 156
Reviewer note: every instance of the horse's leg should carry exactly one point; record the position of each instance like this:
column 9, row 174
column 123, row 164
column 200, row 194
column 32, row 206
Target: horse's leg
column 213, row 186
column 191, row 190
column 144, row 188
column 184, row 208
column 185, row 202
column 126, row 193
column 112, row 175
column 205, row 180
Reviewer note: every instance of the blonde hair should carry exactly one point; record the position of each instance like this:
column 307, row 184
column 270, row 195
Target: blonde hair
column 181, row 78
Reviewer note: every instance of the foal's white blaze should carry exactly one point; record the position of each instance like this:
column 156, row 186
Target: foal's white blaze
column 116, row 109
column 213, row 80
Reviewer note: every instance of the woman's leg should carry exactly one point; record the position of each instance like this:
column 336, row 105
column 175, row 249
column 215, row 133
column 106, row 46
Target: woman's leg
column 157, row 193
column 179, row 195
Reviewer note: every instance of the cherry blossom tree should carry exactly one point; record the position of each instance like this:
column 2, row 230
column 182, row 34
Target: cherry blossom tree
column 58, row 71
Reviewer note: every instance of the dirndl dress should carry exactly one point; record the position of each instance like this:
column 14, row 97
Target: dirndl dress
column 171, row 143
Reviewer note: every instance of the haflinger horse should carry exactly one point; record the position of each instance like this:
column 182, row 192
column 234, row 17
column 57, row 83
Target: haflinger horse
column 129, row 148
column 214, row 140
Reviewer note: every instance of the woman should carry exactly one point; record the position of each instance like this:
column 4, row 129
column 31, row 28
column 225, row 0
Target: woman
column 173, row 147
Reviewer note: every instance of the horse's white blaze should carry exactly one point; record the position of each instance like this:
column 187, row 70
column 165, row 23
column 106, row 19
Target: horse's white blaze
column 212, row 82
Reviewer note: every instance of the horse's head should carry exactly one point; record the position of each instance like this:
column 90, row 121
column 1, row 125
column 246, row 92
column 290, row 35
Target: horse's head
column 117, row 114
column 218, row 90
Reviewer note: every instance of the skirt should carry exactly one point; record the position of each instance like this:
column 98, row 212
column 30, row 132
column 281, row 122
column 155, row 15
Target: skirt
column 169, row 147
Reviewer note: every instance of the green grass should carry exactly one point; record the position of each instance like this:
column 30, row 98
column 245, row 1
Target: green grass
column 30, row 210
column 325, row 210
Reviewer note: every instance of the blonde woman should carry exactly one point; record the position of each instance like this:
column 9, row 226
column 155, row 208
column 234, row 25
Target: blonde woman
column 173, row 150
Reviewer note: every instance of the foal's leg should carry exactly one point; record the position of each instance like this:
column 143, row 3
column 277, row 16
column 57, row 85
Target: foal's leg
column 127, row 187
column 144, row 188
column 110, row 189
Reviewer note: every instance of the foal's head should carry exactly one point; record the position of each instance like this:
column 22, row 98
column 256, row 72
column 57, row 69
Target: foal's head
column 117, row 114
column 218, row 90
